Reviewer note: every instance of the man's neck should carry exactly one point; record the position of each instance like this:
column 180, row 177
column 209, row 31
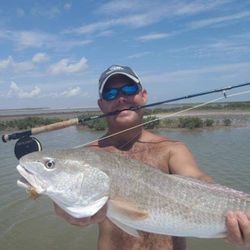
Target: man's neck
column 126, row 139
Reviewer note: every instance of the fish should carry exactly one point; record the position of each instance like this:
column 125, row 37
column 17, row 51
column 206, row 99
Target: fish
column 139, row 197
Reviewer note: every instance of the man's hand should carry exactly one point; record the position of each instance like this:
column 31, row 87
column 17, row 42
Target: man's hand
column 238, row 228
column 96, row 218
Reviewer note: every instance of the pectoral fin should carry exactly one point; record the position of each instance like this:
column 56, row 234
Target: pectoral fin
column 127, row 209
column 127, row 229
column 122, row 213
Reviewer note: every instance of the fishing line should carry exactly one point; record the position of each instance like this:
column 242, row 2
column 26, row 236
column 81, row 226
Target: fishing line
column 76, row 121
column 27, row 144
column 164, row 117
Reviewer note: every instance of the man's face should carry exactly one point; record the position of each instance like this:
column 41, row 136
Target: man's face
column 125, row 118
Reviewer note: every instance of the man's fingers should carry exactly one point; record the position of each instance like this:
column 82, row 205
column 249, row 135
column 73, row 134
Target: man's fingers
column 238, row 226
column 233, row 231
column 244, row 224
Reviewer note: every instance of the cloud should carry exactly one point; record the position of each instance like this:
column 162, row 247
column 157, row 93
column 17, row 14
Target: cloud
column 202, row 74
column 10, row 64
column 105, row 33
column 118, row 6
column 75, row 91
column 40, row 57
column 72, row 92
column 169, row 8
column 6, row 63
column 134, row 21
column 139, row 55
column 222, row 20
column 65, row 67
column 145, row 13
column 195, row 7
column 231, row 47
column 20, row 93
column 153, row 36
column 20, row 12
column 67, row 6
column 32, row 39
column 37, row 39
column 50, row 12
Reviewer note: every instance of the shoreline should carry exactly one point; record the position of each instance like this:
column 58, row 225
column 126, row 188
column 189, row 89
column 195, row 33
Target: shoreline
column 61, row 115
column 238, row 118
column 73, row 114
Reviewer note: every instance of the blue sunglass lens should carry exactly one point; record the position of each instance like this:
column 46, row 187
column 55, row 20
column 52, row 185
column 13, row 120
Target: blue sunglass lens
column 130, row 89
column 110, row 94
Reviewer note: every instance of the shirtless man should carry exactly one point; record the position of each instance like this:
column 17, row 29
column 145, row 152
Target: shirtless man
column 120, row 88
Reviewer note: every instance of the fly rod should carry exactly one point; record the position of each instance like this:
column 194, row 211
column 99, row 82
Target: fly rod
column 76, row 121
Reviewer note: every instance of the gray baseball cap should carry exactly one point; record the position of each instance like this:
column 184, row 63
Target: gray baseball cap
column 117, row 70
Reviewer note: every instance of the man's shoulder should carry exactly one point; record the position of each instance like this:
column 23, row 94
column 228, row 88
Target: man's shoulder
column 165, row 145
column 161, row 140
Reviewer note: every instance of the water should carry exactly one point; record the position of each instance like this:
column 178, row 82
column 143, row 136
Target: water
column 28, row 224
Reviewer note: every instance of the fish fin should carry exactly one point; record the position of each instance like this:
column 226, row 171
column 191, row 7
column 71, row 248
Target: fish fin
column 247, row 198
column 128, row 209
column 125, row 228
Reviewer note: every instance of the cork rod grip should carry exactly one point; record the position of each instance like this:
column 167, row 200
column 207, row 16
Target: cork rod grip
column 54, row 126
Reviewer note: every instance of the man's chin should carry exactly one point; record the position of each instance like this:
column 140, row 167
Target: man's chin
column 126, row 120
column 126, row 113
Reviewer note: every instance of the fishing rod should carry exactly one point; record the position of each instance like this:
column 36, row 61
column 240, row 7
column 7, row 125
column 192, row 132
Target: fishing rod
column 27, row 144
column 77, row 121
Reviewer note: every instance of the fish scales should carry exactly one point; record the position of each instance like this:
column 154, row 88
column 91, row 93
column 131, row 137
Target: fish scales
column 174, row 205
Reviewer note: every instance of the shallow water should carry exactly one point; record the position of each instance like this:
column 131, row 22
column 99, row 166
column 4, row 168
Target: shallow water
column 27, row 224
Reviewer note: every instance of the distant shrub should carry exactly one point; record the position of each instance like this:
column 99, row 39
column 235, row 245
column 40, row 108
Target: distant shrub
column 190, row 122
column 227, row 122
column 28, row 122
column 208, row 122
column 2, row 125
column 151, row 125
column 98, row 124
column 168, row 123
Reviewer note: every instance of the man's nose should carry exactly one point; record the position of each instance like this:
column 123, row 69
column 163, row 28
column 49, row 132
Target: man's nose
column 122, row 98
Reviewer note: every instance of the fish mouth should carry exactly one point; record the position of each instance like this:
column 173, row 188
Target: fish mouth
column 29, row 181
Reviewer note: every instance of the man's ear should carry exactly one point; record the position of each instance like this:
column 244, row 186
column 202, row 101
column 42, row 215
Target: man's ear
column 99, row 102
column 144, row 96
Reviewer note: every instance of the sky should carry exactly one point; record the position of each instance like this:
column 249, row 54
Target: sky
column 53, row 52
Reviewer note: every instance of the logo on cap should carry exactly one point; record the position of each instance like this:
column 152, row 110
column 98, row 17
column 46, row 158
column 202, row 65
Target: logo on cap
column 114, row 68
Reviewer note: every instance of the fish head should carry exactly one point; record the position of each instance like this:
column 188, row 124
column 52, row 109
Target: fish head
column 77, row 187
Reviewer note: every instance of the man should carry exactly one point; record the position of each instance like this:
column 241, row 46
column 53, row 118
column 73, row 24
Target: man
column 120, row 89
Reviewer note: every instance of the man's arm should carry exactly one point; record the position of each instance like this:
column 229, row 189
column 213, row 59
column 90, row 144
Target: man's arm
column 238, row 223
column 182, row 162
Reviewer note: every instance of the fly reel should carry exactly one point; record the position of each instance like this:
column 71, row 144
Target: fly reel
column 26, row 145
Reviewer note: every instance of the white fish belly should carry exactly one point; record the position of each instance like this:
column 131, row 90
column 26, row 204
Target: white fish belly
column 169, row 225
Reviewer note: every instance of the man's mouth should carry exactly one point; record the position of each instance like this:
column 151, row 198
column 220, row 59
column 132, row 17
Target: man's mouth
column 126, row 108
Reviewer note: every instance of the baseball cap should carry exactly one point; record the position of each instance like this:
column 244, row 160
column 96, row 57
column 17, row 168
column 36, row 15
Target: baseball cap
column 117, row 70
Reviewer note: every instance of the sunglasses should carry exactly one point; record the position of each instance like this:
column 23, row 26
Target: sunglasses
column 110, row 94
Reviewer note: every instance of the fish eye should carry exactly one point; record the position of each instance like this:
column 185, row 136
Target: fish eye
column 50, row 164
